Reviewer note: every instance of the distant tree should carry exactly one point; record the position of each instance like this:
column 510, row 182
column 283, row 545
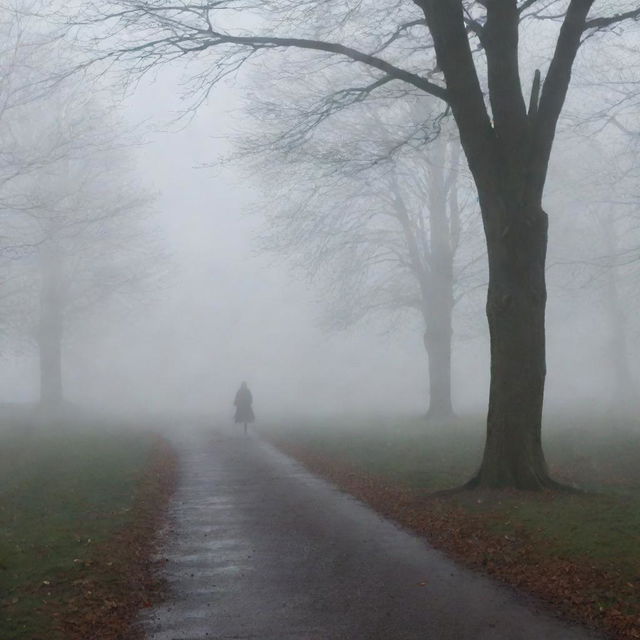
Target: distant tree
column 624, row 400
column 84, row 244
column 73, row 229
column 379, row 222
column 27, row 74
column 446, row 49
column 600, row 200
column 618, row 217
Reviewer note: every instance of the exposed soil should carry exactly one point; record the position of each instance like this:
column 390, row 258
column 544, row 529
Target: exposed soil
column 580, row 592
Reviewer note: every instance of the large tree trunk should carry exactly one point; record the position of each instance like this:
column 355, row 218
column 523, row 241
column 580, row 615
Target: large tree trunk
column 508, row 152
column 50, row 331
column 516, row 302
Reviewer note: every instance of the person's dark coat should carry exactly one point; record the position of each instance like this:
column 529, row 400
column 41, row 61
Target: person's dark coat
column 243, row 402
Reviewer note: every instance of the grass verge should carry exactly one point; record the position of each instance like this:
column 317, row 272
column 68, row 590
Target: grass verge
column 579, row 553
column 79, row 511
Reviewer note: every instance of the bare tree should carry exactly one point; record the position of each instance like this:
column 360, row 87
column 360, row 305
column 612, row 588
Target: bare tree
column 33, row 61
column 624, row 396
column 75, row 234
column 507, row 143
column 599, row 198
column 87, row 248
column 379, row 223
column 71, row 219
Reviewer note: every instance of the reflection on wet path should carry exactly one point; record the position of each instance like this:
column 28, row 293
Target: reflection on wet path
column 261, row 549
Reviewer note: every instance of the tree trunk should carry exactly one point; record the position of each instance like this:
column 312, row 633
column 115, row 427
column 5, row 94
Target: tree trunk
column 438, row 346
column 49, row 346
column 623, row 398
column 433, row 270
column 438, row 294
column 508, row 152
column 516, row 303
column 50, row 331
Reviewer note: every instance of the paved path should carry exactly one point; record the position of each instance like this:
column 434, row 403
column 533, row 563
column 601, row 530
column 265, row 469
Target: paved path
column 261, row 549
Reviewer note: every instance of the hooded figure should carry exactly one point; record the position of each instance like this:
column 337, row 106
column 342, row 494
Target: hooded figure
column 244, row 411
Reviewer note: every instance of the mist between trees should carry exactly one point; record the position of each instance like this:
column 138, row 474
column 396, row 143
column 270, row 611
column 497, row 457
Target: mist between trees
column 388, row 223
column 407, row 153
column 75, row 234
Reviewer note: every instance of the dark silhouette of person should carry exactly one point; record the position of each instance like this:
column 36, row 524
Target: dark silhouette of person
column 244, row 410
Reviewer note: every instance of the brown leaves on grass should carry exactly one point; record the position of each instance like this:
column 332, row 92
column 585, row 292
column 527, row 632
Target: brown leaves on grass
column 583, row 593
column 120, row 579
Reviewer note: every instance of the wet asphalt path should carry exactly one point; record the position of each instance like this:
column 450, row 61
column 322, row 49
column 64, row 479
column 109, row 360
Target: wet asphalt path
column 261, row 549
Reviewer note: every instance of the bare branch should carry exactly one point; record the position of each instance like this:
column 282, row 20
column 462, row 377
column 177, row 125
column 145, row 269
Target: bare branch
column 609, row 21
column 554, row 92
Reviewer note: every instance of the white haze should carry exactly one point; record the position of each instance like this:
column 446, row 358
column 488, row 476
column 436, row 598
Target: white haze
column 225, row 313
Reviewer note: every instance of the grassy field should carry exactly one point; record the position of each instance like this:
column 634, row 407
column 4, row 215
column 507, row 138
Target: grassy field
column 588, row 452
column 63, row 493
column 566, row 547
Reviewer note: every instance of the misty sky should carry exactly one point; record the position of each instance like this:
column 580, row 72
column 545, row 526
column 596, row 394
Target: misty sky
column 226, row 314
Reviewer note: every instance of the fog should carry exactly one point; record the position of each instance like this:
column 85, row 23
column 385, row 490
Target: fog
column 319, row 319
column 223, row 310
column 226, row 313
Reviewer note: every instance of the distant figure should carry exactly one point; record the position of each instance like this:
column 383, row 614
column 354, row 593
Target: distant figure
column 244, row 411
